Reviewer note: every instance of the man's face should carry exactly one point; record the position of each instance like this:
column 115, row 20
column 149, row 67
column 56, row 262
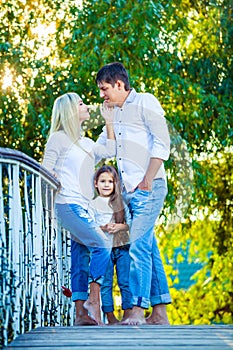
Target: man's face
column 110, row 94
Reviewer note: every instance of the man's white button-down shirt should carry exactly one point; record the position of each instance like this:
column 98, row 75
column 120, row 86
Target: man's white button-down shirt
column 141, row 133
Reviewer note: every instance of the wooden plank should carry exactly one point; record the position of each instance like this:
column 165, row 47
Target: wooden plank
column 127, row 337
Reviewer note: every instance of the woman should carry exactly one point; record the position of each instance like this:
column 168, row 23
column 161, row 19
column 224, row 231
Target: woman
column 71, row 158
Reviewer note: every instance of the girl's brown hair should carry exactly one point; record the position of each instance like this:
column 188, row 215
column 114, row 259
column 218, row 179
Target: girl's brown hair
column 115, row 200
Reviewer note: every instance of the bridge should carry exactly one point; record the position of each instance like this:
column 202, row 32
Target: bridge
column 35, row 263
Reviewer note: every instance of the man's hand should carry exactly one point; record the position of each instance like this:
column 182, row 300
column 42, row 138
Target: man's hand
column 145, row 185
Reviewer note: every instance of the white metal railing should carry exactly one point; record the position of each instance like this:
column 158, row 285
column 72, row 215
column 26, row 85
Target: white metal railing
column 34, row 250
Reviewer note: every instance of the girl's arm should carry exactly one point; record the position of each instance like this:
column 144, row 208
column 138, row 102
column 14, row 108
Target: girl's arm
column 114, row 228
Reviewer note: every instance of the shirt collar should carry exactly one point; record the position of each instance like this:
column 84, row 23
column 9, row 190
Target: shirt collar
column 131, row 96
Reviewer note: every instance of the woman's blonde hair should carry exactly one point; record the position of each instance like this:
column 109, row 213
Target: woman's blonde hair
column 65, row 115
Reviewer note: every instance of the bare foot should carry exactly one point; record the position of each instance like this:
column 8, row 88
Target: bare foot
column 81, row 317
column 158, row 316
column 135, row 318
column 111, row 318
column 94, row 311
column 160, row 321
column 126, row 315
column 85, row 321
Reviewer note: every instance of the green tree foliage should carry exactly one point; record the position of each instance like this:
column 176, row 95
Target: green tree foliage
column 207, row 233
column 30, row 57
column 179, row 50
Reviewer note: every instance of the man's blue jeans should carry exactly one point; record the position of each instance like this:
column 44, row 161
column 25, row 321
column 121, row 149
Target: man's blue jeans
column 121, row 259
column 148, row 281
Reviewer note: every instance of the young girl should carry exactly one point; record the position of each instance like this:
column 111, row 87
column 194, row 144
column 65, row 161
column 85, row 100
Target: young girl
column 72, row 157
column 113, row 217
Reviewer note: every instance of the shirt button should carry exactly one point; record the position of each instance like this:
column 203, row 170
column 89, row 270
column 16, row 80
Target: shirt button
column 119, row 158
column 119, row 133
column 122, row 171
column 119, row 146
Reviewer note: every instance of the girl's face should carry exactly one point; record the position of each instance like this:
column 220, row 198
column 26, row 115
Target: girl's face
column 105, row 184
column 83, row 111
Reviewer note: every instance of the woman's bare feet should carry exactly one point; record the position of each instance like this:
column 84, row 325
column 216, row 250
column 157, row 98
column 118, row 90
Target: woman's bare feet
column 93, row 310
column 135, row 318
column 158, row 316
column 85, row 320
column 82, row 318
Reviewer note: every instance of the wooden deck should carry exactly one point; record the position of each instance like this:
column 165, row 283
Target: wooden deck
column 126, row 338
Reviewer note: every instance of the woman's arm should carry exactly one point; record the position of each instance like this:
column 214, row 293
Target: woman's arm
column 52, row 152
column 108, row 115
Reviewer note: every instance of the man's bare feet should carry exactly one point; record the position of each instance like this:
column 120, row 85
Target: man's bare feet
column 135, row 318
column 158, row 316
column 94, row 311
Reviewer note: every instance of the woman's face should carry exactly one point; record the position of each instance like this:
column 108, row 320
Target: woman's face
column 83, row 111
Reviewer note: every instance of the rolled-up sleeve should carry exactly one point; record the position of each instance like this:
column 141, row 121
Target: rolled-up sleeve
column 156, row 123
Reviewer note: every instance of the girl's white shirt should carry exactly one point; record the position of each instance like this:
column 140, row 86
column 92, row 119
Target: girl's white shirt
column 74, row 165
column 101, row 211
column 102, row 214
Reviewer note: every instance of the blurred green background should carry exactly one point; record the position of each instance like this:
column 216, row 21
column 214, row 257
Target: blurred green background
column 179, row 50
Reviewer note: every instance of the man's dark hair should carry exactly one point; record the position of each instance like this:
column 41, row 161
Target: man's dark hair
column 112, row 72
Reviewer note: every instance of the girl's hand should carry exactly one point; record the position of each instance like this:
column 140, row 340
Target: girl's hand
column 113, row 228
column 104, row 228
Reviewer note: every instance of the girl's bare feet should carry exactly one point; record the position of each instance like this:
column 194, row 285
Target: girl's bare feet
column 111, row 318
column 126, row 315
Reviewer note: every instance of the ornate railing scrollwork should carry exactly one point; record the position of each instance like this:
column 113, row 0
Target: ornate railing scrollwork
column 35, row 251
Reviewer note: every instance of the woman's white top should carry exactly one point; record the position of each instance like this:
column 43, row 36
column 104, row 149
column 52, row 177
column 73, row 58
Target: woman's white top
column 74, row 165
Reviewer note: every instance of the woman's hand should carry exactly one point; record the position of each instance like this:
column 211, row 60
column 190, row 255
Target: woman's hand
column 107, row 112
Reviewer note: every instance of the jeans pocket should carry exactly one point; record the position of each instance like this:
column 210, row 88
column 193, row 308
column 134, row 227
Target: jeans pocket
column 141, row 192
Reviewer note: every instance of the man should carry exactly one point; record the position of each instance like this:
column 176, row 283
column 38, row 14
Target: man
column 143, row 144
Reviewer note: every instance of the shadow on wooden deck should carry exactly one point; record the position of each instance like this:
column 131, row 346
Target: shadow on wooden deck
column 127, row 337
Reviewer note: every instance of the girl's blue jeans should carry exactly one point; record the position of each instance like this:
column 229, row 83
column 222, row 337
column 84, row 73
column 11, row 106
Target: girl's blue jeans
column 147, row 279
column 121, row 259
